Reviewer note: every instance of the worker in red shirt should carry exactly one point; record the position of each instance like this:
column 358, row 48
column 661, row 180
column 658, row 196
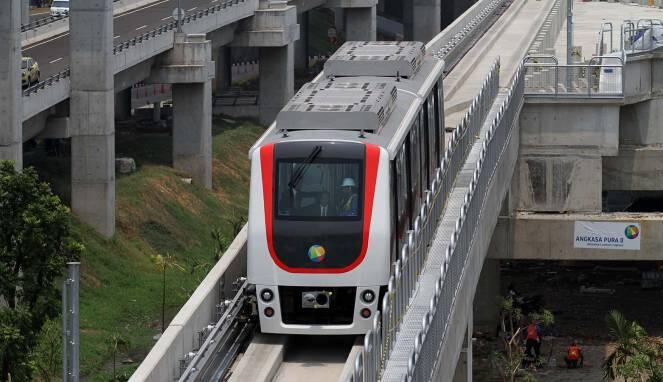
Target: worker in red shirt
column 574, row 356
column 533, row 340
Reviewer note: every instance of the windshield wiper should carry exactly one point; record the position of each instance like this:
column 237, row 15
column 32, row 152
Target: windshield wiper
column 301, row 169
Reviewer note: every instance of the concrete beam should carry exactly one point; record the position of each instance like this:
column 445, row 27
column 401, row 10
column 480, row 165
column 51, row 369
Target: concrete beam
column 464, row 365
column 271, row 26
column 528, row 236
column 592, row 126
column 92, row 114
column 636, row 168
column 11, row 105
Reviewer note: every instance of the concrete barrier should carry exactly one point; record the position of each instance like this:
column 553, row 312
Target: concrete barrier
column 180, row 338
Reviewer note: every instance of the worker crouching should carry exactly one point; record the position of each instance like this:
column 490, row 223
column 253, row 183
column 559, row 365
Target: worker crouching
column 574, row 357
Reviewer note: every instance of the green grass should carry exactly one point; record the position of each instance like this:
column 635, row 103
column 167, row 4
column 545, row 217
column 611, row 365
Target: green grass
column 157, row 213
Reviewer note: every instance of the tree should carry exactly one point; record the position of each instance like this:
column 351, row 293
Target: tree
column 35, row 245
column 163, row 263
column 635, row 356
column 117, row 344
column 509, row 361
column 47, row 354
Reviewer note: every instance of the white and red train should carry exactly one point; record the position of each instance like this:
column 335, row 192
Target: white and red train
column 335, row 183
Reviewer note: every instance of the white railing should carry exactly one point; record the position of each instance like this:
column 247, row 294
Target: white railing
column 422, row 362
column 640, row 35
column 544, row 41
column 378, row 342
column 600, row 77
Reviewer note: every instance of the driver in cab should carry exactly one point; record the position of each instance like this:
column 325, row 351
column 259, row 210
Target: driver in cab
column 348, row 205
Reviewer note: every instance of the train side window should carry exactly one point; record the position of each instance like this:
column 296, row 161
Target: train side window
column 439, row 94
column 423, row 146
column 433, row 144
column 415, row 167
column 402, row 200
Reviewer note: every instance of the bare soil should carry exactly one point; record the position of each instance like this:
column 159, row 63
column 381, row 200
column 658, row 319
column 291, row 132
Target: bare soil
column 578, row 315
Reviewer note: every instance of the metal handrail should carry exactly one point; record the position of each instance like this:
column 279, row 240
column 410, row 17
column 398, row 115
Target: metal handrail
column 46, row 20
column 135, row 41
column 423, row 360
column 591, row 64
column 380, row 339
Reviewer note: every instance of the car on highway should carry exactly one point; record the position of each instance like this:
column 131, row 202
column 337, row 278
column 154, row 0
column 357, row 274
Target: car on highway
column 60, row 8
column 29, row 71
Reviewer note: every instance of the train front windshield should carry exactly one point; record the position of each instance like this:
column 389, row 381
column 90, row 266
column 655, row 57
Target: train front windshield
column 319, row 204
column 322, row 189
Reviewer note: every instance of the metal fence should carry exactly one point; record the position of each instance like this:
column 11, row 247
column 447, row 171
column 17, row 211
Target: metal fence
column 428, row 341
column 378, row 342
column 600, row 77
column 446, row 44
column 545, row 38
column 640, row 35
column 168, row 27
column 46, row 20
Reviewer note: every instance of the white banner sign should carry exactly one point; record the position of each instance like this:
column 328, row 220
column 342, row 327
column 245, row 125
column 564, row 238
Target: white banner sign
column 607, row 235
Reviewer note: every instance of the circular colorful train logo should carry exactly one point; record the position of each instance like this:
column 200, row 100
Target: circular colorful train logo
column 632, row 232
column 316, row 253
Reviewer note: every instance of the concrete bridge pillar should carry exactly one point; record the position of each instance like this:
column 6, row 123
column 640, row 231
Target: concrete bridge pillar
column 274, row 30
column 301, row 45
column 25, row 12
column 464, row 365
column 423, row 20
column 190, row 69
column 277, row 81
column 486, row 309
column 11, row 105
column 123, row 105
column 223, row 61
column 192, row 131
column 360, row 24
column 92, row 113
column 359, row 18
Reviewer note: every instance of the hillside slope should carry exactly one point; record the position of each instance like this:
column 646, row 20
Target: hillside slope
column 158, row 212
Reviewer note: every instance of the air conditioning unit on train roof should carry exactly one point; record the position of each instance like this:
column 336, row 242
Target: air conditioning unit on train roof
column 339, row 105
column 376, row 58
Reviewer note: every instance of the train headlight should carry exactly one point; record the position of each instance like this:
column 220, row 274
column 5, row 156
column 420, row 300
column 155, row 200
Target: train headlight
column 368, row 296
column 266, row 295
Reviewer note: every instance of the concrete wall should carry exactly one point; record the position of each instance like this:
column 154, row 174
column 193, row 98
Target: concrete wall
column 562, row 143
column 568, row 123
column 558, row 182
column 162, row 363
column 637, row 168
column 463, row 308
column 551, row 237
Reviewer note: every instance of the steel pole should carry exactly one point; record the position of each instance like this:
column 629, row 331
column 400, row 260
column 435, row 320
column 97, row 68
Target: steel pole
column 70, row 324
column 569, row 32
column 179, row 17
